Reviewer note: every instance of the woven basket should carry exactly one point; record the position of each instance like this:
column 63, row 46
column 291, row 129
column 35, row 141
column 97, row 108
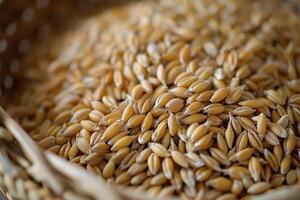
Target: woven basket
column 26, row 172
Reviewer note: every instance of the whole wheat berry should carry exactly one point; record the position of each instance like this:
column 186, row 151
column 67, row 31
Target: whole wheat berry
column 197, row 99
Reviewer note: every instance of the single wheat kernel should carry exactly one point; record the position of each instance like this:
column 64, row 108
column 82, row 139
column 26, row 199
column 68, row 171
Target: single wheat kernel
column 258, row 187
column 154, row 163
column 159, row 149
column 168, row 167
column 179, row 158
column 175, row 105
column 223, row 184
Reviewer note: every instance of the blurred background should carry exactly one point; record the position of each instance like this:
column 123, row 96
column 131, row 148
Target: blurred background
column 25, row 21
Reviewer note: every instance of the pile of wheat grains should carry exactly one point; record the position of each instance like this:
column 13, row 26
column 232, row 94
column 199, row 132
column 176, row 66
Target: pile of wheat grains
column 197, row 99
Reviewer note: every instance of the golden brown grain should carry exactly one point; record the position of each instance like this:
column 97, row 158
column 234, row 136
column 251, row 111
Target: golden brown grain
column 219, row 95
column 223, row 184
column 255, row 169
column 259, row 187
column 175, row 105
column 210, row 162
column 237, row 187
column 237, row 172
column 154, row 163
column 72, row 130
column 179, row 158
column 204, row 142
column 159, row 149
column 198, row 99
column 168, row 167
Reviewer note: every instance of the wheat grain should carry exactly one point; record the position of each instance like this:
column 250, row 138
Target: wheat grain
column 147, row 123
column 115, row 139
column 255, row 141
column 243, row 155
column 237, row 172
column 179, row 158
column 72, row 130
column 285, row 164
column 194, row 160
column 210, row 162
column 47, row 142
column 109, row 169
column 242, row 141
column 83, row 145
column 277, row 180
column 271, row 159
column 271, row 138
column 219, row 95
column 168, row 167
column 227, row 196
column 154, row 163
column 289, row 143
column 193, row 108
column 220, row 156
column 204, row 142
column 188, row 177
column 178, row 98
column 223, row 184
column 237, row 187
column 175, row 105
column 291, row 177
column 122, row 142
column 258, row 187
column 278, row 152
column 255, row 169
column 243, row 111
column 135, row 121
column 229, row 136
column 159, row 150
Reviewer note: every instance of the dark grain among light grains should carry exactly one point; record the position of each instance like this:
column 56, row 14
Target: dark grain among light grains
column 198, row 99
